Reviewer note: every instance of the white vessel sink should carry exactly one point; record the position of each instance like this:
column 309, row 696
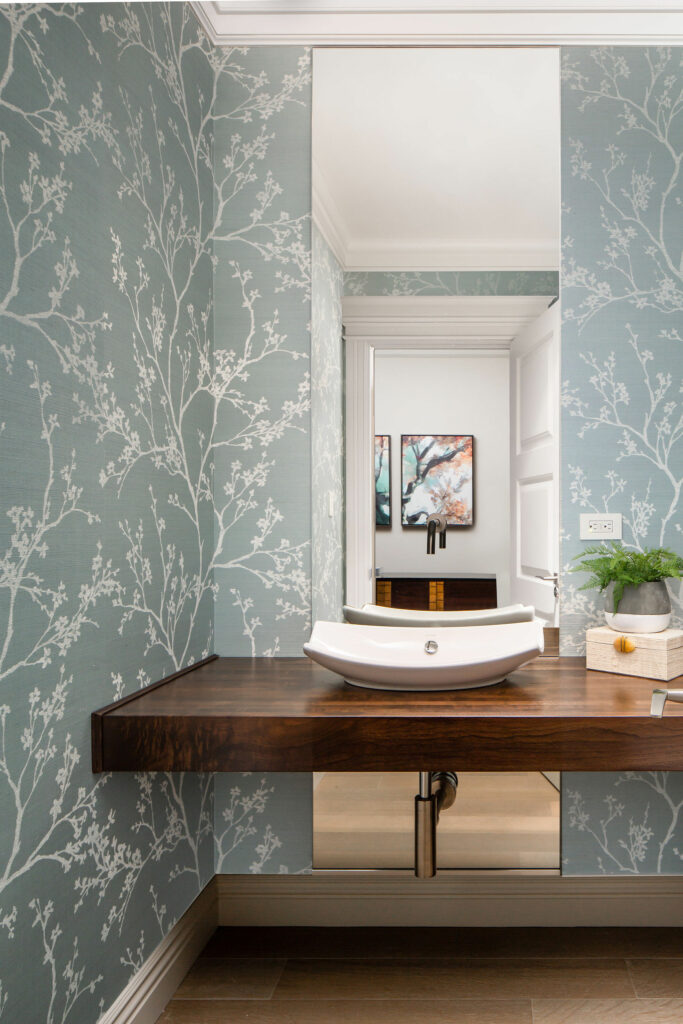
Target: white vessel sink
column 377, row 615
column 424, row 658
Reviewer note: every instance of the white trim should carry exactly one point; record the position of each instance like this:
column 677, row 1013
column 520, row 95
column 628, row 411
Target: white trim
column 326, row 216
column 391, row 898
column 395, row 320
column 491, row 24
column 360, row 480
column 398, row 322
column 205, row 14
column 464, row 352
column 149, row 990
column 378, row 254
column 465, row 255
column 363, row 6
column 452, row 899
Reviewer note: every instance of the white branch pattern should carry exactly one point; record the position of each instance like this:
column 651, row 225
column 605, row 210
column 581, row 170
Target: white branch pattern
column 123, row 377
column 622, row 423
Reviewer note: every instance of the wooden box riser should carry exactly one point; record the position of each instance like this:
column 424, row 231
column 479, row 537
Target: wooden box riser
column 661, row 665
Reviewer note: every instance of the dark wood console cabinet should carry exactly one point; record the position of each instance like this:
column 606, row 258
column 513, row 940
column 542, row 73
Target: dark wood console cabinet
column 449, row 592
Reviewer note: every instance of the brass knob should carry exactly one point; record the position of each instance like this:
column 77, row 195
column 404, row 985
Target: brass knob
column 624, row 644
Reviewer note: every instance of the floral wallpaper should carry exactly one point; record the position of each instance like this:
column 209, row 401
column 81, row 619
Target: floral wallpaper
column 622, row 416
column 445, row 282
column 327, row 433
column 106, row 578
column 262, row 284
column 261, row 432
column 263, row 823
column 625, row 823
column 139, row 176
column 155, row 359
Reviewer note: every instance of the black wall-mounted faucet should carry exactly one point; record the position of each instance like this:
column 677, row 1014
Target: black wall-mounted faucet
column 435, row 522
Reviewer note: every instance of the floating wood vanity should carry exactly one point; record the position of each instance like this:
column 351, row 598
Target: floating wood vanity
column 290, row 715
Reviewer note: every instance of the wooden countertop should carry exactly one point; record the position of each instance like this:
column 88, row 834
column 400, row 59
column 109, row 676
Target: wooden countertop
column 289, row 714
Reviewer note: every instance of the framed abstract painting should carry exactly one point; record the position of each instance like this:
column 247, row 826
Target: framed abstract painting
column 382, row 480
column 437, row 476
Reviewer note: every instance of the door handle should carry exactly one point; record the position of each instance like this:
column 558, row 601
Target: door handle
column 551, row 579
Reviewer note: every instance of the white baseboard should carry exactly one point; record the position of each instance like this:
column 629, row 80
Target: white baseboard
column 449, row 900
column 147, row 993
column 396, row 899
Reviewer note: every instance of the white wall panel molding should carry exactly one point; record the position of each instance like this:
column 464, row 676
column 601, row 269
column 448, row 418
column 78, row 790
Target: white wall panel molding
column 441, row 23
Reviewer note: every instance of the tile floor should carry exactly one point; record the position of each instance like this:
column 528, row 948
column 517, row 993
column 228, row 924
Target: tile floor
column 434, row 976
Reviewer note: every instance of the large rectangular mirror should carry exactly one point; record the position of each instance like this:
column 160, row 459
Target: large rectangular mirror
column 436, row 202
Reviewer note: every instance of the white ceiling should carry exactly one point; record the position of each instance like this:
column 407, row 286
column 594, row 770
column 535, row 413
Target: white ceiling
column 438, row 158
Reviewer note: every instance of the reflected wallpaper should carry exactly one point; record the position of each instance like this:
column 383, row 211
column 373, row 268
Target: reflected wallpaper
column 622, row 415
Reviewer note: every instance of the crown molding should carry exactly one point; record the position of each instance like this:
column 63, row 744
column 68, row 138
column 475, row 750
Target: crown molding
column 441, row 23
column 434, row 321
column 365, row 6
column 327, row 218
column 430, row 256
column 463, row 255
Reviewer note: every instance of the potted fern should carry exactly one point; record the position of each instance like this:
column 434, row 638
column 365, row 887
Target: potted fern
column 633, row 582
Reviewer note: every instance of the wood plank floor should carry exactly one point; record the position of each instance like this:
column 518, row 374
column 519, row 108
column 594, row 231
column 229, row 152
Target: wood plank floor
column 503, row 820
column 434, row 976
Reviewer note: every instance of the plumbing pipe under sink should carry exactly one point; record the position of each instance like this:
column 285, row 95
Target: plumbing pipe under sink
column 437, row 792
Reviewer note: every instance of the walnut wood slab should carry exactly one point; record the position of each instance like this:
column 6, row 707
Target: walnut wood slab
column 290, row 715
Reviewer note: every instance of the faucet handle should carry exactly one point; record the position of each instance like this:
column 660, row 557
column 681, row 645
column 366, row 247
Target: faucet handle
column 659, row 699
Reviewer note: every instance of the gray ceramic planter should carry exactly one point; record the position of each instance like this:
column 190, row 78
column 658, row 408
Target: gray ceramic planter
column 642, row 609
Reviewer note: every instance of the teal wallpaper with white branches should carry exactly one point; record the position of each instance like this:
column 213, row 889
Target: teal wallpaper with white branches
column 622, row 366
column 138, row 175
column 157, row 453
column 451, row 282
column 260, row 444
column 106, row 581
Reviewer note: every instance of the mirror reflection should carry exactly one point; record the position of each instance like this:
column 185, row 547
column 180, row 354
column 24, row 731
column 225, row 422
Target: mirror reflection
column 436, row 198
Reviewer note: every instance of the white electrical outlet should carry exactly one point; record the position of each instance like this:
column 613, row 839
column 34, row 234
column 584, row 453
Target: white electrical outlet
column 600, row 526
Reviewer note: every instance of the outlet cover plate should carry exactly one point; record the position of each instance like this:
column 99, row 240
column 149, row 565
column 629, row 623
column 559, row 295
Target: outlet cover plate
column 600, row 526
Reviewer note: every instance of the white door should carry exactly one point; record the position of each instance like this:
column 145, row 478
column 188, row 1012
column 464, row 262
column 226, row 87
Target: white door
column 534, row 463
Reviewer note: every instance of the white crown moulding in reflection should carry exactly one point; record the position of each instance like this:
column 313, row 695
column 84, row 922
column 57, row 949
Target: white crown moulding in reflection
column 472, row 255
column 441, row 23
